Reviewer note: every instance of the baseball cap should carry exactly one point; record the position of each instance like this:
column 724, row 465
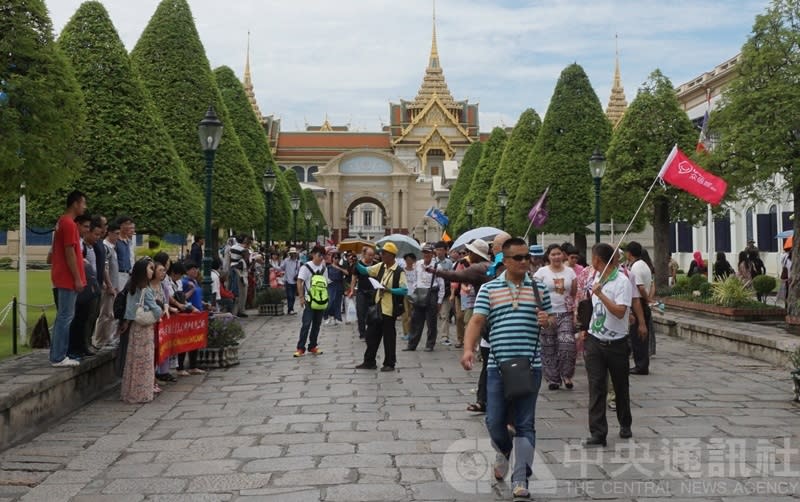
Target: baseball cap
column 389, row 247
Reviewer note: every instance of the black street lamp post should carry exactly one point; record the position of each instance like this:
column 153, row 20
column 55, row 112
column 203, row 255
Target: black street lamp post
column 295, row 204
column 210, row 132
column 425, row 231
column 502, row 201
column 308, row 227
column 597, row 167
column 470, row 212
column 268, row 181
column 316, row 227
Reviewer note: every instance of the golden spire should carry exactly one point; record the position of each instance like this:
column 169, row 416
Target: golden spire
column 433, row 84
column 617, row 104
column 248, row 82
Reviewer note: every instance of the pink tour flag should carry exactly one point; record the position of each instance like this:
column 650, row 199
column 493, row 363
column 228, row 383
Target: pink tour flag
column 682, row 173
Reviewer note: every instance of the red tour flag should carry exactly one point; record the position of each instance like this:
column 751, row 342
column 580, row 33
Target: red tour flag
column 682, row 173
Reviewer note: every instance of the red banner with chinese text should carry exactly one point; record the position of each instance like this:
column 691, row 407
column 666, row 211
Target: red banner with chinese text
column 682, row 173
column 181, row 333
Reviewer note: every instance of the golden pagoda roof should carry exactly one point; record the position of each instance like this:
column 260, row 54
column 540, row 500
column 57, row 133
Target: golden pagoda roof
column 433, row 83
column 248, row 83
column 617, row 104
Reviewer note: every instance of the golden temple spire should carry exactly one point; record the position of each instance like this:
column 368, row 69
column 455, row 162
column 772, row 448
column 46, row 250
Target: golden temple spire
column 248, row 82
column 617, row 104
column 433, row 84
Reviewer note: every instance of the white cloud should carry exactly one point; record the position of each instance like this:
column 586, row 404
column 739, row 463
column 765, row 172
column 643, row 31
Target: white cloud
column 349, row 58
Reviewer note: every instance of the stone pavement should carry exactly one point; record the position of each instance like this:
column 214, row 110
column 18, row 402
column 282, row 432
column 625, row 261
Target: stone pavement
column 707, row 426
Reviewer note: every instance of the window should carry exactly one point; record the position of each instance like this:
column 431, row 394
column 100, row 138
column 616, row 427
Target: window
column 39, row 236
column 175, row 239
column 748, row 224
column 786, row 223
column 673, row 243
column 685, row 243
column 311, row 172
column 767, row 229
column 722, row 232
column 300, row 172
column 3, row 237
column 367, row 218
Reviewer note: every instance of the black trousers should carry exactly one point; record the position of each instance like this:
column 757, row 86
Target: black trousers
column 641, row 346
column 375, row 332
column 481, row 398
column 421, row 316
column 363, row 301
column 601, row 359
column 82, row 327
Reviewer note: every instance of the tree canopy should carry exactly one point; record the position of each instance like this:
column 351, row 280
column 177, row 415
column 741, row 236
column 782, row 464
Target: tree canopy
column 460, row 190
column 512, row 164
column 482, row 179
column 574, row 126
column 41, row 106
column 256, row 148
column 653, row 123
column 174, row 68
column 131, row 166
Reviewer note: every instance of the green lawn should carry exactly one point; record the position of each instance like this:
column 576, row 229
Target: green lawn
column 39, row 293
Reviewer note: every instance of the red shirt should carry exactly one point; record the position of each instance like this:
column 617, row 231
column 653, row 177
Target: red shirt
column 66, row 235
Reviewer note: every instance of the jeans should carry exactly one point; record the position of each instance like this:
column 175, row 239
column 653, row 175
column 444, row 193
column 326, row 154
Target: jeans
column 335, row 294
column 524, row 417
column 312, row 319
column 291, row 292
column 65, row 300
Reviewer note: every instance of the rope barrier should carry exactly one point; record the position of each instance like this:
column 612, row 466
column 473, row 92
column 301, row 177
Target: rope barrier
column 4, row 312
column 34, row 305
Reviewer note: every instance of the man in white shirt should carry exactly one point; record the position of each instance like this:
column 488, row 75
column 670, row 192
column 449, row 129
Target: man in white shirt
column 106, row 327
column 312, row 319
column 426, row 291
column 643, row 278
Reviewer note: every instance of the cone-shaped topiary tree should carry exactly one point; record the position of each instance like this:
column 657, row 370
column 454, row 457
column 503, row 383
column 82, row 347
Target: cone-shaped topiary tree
column 41, row 110
column 131, row 165
column 316, row 213
column 514, row 161
column 175, row 70
column 483, row 178
column 652, row 124
column 294, row 189
column 256, row 148
column 573, row 128
column 457, row 200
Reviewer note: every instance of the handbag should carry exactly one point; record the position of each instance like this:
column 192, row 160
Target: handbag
column 420, row 297
column 143, row 316
column 374, row 313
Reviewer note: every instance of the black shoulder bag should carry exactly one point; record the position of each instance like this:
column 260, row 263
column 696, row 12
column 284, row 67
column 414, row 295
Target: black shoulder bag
column 516, row 372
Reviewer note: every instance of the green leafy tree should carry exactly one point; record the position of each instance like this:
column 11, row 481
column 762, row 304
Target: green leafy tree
column 653, row 123
column 482, row 179
column 41, row 107
column 573, row 128
column 175, row 70
column 758, row 125
column 131, row 164
column 457, row 200
column 256, row 148
column 515, row 159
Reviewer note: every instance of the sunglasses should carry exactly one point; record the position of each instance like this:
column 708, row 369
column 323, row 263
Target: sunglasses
column 520, row 257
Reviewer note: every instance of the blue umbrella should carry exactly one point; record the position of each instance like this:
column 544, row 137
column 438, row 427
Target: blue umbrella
column 405, row 245
column 784, row 234
column 483, row 233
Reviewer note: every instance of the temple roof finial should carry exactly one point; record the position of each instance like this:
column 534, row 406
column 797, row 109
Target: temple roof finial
column 248, row 82
column 617, row 104
column 433, row 84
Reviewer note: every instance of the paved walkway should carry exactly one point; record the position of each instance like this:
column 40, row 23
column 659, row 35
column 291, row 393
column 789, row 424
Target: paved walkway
column 707, row 426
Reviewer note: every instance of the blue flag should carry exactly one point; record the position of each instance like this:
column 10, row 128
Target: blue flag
column 436, row 214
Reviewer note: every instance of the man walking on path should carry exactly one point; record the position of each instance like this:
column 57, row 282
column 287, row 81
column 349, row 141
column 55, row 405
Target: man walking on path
column 312, row 317
column 365, row 293
column 427, row 292
column 514, row 313
column 389, row 300
column 639, row 332
column 68, row 276
column 443, row 262
column 290, row 267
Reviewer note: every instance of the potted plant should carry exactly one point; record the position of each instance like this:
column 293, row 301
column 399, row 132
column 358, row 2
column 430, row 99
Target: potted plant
column 764, row 285
column 222, row 350
column 271, row 301
column 794, row 359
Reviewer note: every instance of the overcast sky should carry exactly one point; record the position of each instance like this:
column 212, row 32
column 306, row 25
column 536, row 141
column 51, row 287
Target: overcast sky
column 348, row 59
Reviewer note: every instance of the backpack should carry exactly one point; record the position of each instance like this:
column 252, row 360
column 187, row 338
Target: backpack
column 120, row 304
column 317, row 296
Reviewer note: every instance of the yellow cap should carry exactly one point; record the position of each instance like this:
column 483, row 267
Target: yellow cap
column 389, row 247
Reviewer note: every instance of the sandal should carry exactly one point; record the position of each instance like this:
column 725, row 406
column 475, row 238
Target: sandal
column 182, row 373
column 156, row 389
column 196, row 371
column 477, row 408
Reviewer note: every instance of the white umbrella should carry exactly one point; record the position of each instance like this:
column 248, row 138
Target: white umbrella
column 483, row 233
column 405, row 245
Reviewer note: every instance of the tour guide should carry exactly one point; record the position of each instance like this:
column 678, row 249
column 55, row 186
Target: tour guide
column 514, row 312
column 389, row 299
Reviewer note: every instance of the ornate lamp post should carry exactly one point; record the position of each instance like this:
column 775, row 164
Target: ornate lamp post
column 308, row 226
column 210, row 132
column 502, row 201
column 425, row 231
column 295, row 204
column 268, row 182
column 470, row 212
column 597, row 167
column 316, row 227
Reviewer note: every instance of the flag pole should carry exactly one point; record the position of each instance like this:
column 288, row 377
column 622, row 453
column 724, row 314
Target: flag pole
column 530, row 223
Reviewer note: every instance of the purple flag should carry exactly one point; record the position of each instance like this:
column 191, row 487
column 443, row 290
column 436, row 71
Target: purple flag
column 538, row 213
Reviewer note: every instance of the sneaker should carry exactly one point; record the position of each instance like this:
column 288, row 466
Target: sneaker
column 327, row 322
column 612, row 405
column 406, row 337
column 299, row 352
column 66, row 363
column 500, row 466
column 316, row 351
column 520, row 492
column 446, row 341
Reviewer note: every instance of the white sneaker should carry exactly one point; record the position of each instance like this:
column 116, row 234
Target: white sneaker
column 66, row 363
column 446, row 341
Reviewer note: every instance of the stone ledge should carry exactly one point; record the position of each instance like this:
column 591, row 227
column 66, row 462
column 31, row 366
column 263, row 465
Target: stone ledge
column 33, row 393
column 759, row 341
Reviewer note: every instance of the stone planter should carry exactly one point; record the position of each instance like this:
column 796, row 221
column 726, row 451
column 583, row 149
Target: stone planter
column 218, row 357
column 732, row 313
column 272, row 309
